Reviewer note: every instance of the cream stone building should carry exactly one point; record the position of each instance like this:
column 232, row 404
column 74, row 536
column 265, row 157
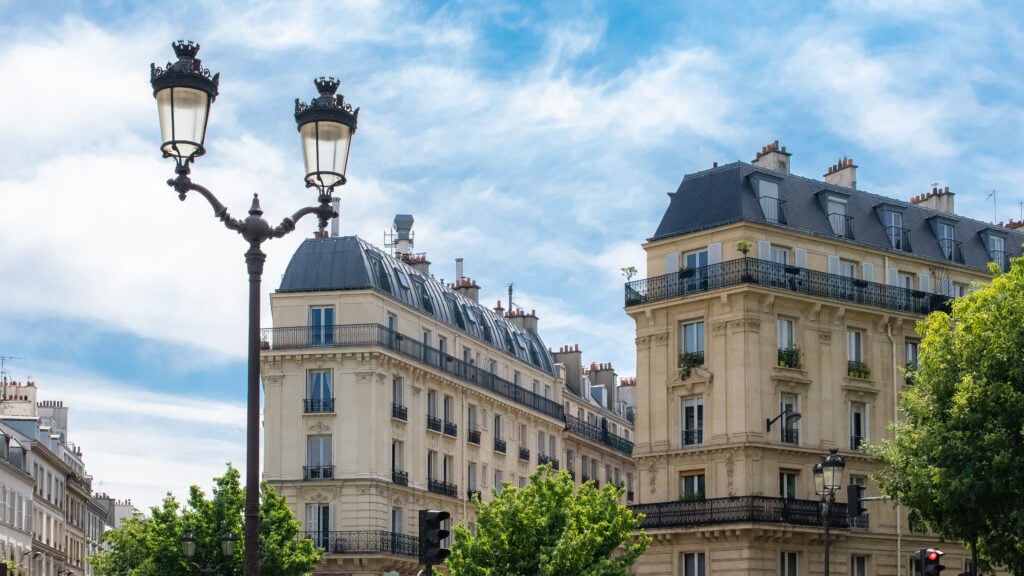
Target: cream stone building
column 769, row 294
column 388, row 391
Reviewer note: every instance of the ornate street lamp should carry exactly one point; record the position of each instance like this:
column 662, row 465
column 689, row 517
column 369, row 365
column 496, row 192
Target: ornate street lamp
column 184, row 92
column 828, row 476
column 227, row 550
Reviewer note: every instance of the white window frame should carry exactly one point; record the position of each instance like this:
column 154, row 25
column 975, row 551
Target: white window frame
column 691, row 411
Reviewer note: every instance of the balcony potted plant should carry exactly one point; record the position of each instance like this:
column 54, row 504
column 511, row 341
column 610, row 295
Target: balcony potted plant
column 743, row 247
column 688, row 361
column 789, row 357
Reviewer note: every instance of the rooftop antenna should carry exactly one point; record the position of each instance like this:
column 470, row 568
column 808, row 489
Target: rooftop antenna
column 992, row 195
column 3, row 372
column 510, row 298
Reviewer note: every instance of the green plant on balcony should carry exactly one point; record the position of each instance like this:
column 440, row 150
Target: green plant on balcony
column 909, row 372
column 859, row 370
column 789, row 357
column 688, row 361
column 691, row 497
column 743, row 247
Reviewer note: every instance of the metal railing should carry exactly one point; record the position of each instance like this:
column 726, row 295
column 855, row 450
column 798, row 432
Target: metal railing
column 317, row 472
column 856, row 441
column 400, row 478
column 952, row 249
column 433, row 423
column 899, row 238
column 842, row 225
column 789, row 357
column 442, row 487
column 361, row 335
column 317, row 405
column 545, row 459
column 1002, row 259
column 472, row 492
column 860, row 522
column 857, row 369
column 738, row 509
column 450, row 428
column 474, row 437
column 364, row 542
column 598, row 434
column 399, row 411
column 694, row 437
column 790, row 436
column 524, row 454
column 499, row 445
column 774, row 210
column 790, row 278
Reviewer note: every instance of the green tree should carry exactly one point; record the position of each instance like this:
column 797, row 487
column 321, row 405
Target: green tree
column 957, row 459
column 548, row 529
column 152, row 546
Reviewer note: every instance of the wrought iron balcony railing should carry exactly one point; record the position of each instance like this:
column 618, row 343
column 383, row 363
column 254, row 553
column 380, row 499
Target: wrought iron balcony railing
column 473, row 492
column 572, row 474
column 474, row 437
column 857, row 369
column 790, row 278
column 318, row 405
column 400, row 478
column 856, row 441
column 694, row 437
column 899, row 238
column 789, row 357
column 842, row 225
column 433, row 423
column 400, row 412
column 790, row 436
column 1002, row 259
column 598, row 434
column 317, row 472
column 450, row 428
column 524, row 454
column 738, row 509
column 364, row 542
column 363, row 335
column 545, row 459
column 952, row 249
column 774, row 210
column 442, row 487
column 499, row 445
column 860, row 522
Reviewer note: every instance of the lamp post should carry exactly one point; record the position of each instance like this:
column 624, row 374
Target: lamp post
column 227, row 550
column 828, row 476
column 184, row 92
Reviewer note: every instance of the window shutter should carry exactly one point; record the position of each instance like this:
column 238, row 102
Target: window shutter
column 800, row 257
column 924, row 282
column 672, row 263
column 715, row 253
column 892, row 277
column 764, row 250
column 947, row 287
column 867, row 271
column 833, row 264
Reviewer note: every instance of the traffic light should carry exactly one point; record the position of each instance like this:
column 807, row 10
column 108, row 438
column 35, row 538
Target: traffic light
column 930, row 561
column 431, row 535
column 854, row 507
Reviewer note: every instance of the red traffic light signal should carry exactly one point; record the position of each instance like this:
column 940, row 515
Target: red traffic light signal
column 930, row 558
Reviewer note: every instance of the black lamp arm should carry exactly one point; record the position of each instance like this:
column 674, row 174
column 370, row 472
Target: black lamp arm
column 182, row 184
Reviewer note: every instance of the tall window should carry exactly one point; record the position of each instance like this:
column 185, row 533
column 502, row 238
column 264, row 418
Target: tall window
column 432, row 403
column 691, row 486
column 768, row 197
column 499, row 434
column 894, row 229
column 448, row 472
column 396, row 456
column 398, row 391
column 854, row 346
column 691, row 340
column 319, row 458
column 787, row 564
column 321, row 326
column 431, row 465
column 319, row 392
column 471, row 477
column 471, row 418
column 541, row 443
column 785, row 333
column 858, row 424
column 997, row 250
column 397, row 522
column 779, row 255
column 946, row 239
column 449, row 409
column 696, row 261
column 318, row 523
column 693, row 564
column 498, row 479
column 692, row 420
column 790, row 430
column 787, row 484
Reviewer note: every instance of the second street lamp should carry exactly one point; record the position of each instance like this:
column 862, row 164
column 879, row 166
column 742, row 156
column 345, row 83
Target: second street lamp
column 184, row 92
column 828, row 476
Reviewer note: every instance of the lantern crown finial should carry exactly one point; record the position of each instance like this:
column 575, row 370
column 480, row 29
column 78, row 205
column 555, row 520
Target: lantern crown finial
column 327, row 86
column 185, row 49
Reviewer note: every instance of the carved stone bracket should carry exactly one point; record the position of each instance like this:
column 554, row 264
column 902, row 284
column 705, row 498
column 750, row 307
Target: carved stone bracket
column 320, row 427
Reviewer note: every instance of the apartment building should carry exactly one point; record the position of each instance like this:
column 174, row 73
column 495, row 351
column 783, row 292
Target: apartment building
column 770, row 295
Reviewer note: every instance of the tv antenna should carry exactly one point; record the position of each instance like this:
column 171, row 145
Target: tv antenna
column 3, row 372
column 992, row 195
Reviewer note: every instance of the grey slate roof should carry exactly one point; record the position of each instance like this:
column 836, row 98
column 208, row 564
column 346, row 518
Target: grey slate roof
column 349, row 263
column 725, row 195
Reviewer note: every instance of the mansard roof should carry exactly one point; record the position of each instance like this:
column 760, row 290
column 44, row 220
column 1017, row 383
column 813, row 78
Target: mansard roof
column 350, row 263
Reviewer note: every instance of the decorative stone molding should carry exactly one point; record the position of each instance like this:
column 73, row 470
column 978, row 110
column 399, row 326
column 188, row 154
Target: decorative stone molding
column 272, row 380
column 824, row 336
column 643, row 342
column 320, row 427
column 718, row 328
column 744, row 325
column 661, row 339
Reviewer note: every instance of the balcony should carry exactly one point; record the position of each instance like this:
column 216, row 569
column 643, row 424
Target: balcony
column 680, row 514
column 899, row 238
column 443, row 488
column 474, row 437
column 473, row 492
column 952, row 250
column 400, row 478
column 842, row 225
column 789, row 357
column 860, row 522
column 629, row 496
column 318, row 472
column 856, row 369
column 1002, row 259
column 790, row 436
column 318, row 405
column 450, row 429
column 693, row 437
column 499, row 445
column 364, row 542
column 367, row 335
column 598, row 434
column 774, row 210
column 545, row 459
column 433, row 423
column 524, row 454
column 399, row 412
column 856, row 441
column 789, row 278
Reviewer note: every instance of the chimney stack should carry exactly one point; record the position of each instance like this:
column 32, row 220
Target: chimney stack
column 940, row 199
column 1012, row 225
column 525, row 320
column 843, row 173
column 572, row 359
column 773, row 157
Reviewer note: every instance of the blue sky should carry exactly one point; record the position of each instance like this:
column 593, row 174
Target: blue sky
column 535, row 140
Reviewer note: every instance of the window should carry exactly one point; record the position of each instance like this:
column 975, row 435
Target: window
column 318, row 523
column 398, row 391
column 787, row 484
column 471, row 418
column 593, row 469
column 552, row 445
column 541, row 444
column 448, row 472
column 787, row 564
column 536, row 387
column 403, row 281
column 779, row 255
column 692, row 420
column 696, row 274
column 693, row 564
column 498, row 478
column 547, row 392
column 498, row 433
column 397, row 456
column 894, row 229
column 321, row 326
column 449, row 409
column 788, row 353
column 691, row 342
column 837, row 217
column 432, row 403
column 947, row 238
column 906, row 280
column 691, row 486
column 858, row 424
column 471, row 477
column 319, row 392
column 854, row 346
column 319, row 458
column 847, row 269
column 517, row 379
column 397, row 523
column 431, row 464
column 790, row 430
column 997, row 250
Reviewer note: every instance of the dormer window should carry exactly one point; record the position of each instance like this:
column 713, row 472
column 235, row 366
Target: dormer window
column 995, row 243
column 892, row 220
column 837, row 217
column 945, row 233
column 767, row 190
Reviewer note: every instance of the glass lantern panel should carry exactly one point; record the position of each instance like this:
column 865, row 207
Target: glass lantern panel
column 325, row 146
column 183, row 115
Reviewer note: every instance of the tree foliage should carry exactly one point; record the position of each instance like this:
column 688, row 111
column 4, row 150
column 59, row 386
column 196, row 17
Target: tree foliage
column 957, row 459
column 546, row 529
column 152, row 546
